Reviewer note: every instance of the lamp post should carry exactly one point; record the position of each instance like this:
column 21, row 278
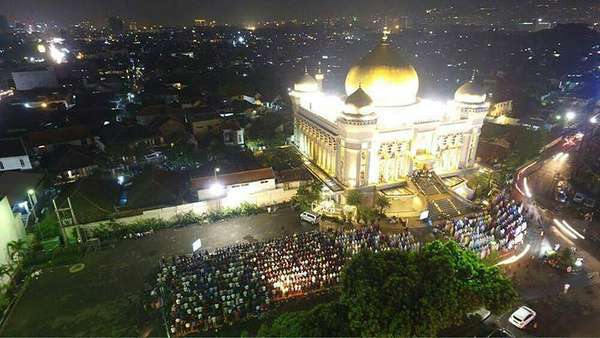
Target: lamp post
column 33, row 201
column 216, row 172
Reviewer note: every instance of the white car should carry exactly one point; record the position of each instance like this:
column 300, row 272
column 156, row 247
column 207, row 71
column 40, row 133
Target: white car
column 522, row 317
column 310, row 217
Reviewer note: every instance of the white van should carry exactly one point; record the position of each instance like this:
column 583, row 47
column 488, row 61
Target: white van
column 310, row 217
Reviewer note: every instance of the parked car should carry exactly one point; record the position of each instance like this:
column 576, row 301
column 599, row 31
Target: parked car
column 589, row 202
column 500, row 333
column 578, row 198
column 310, row 217
column 522, row 317
column 482, row 313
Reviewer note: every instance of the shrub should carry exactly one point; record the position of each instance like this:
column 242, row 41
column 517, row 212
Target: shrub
column 114, row 229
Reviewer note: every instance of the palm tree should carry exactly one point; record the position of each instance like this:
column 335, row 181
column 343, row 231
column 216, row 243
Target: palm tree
column 382, row 202
column 16, row 250
column 354, row 198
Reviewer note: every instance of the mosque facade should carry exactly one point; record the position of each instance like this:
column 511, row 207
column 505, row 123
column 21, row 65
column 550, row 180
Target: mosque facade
column 381, row 131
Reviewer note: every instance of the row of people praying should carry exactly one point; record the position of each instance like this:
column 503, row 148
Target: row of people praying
column 206, row 290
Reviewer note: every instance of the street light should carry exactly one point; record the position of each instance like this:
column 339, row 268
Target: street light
column 33, row 201
column 570, row 115
column 594, row 120
column 217, row 171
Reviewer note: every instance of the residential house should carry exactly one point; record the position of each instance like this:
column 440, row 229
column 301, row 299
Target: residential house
column 69, row 162
column 256, row 186
column 292, row 179
column 233, row 134
column 46, row 140
column 124, row 139
column 13, row 155
column 147, row 114
column 204, row 125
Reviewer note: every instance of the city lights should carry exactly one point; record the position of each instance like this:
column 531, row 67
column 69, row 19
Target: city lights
column 570, row 116
column 57, row 55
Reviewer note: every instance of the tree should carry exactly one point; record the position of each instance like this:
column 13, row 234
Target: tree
column 366, row 214
column 324, row 320
column 382, row 202
column 307, row 195
column 395, row 293
column 354, row 198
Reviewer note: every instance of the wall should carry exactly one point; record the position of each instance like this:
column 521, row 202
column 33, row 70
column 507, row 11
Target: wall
column 269, row 197
column 35, row 79
column 239, row 190
column 11, row 229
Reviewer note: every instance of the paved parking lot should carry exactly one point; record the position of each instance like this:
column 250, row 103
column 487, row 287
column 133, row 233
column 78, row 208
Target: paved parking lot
column 107, row 298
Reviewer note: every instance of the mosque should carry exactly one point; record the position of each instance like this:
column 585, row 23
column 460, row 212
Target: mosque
column 381, row 132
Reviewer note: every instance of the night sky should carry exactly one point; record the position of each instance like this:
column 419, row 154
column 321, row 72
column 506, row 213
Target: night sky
column 182, row 12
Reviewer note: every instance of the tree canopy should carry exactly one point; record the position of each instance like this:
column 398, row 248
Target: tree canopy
column 307, row 194
column 324, row 320
column 408, row 294
column 394, row 293
column 353, row 197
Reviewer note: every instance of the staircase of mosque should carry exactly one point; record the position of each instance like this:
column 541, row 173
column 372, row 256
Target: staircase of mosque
column 444, row 204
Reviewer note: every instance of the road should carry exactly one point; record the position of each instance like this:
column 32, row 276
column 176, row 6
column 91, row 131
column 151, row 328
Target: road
column 559, row 313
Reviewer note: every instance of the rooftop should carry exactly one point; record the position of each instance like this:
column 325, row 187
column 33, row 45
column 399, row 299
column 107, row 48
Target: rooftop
column 200, row 183
column 10, row 147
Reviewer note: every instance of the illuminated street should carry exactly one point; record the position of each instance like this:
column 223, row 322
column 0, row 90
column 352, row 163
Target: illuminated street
column 559, row 313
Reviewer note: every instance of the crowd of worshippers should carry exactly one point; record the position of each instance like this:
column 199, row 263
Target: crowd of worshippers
column 502, row 227
column 206, row 290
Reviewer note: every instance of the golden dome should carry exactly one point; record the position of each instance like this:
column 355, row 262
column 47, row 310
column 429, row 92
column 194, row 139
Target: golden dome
column 385, row 76
column 307, row 84
column 470, row 92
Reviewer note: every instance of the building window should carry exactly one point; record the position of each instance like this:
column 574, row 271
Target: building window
column 263, row 182
column 22, row 163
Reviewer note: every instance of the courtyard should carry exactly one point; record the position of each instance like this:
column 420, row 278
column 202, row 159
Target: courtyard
column 109, row 297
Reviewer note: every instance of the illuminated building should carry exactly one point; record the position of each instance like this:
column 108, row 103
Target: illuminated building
column 381, row 131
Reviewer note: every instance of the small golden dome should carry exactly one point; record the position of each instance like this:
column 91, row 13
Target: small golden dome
column 385, row 76
column 470, row 92
column 307, row 84
column 359, row 99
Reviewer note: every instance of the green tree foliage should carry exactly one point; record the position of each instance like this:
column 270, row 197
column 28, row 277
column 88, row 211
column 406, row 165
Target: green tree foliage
column 307, row 195
column 366, row 214
column 526, row 142
column 354, row 198
column 281, row 158
column 269, row 129
column 324, row 320
column 184, row 155
column 407, row 294
column 382, row 203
